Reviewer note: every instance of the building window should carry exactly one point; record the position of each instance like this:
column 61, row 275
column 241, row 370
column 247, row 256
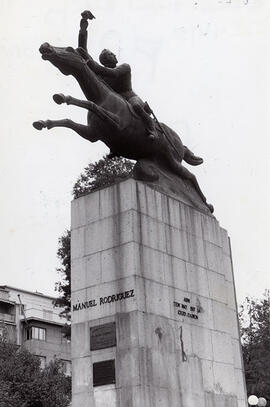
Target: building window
column 66, row 367
column 36, row 333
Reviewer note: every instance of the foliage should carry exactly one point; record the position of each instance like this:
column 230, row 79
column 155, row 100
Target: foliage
column 56, row 387
column 63, row 286
column 23, row 383
column 102, row 173
column 255, row 334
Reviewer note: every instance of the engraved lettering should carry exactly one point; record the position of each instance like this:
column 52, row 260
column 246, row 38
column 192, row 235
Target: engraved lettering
column 127, row 294
column 193, row 309
column 92, row 303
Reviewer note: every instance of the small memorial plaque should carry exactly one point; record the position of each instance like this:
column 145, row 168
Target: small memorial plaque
column 104, row 373
column 103, row 336
column 187, row 309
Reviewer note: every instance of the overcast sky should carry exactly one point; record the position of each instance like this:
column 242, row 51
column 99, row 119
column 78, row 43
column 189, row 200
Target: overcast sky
column 203, row 66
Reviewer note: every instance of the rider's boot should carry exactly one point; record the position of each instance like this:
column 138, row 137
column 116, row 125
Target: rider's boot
column 148, row 121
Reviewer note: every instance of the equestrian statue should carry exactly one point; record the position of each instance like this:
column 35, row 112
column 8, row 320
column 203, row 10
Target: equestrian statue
column 118, row 117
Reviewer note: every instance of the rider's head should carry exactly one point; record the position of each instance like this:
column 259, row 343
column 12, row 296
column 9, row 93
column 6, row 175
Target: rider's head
column 108, row 59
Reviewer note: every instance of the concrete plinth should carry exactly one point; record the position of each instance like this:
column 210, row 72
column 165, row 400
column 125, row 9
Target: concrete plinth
column 162, row 272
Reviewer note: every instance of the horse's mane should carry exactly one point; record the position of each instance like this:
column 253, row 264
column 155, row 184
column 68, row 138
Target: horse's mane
column 102, row 80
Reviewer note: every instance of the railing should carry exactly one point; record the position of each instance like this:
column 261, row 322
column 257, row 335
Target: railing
column 3, row 294
column 43, row 315
column 7, row 317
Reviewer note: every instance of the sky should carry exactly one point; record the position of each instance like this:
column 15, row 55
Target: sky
column 203, row 66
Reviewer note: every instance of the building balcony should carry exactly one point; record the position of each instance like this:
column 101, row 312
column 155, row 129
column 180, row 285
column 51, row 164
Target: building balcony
column 4, row 294
column 7, row 317
column 43, row 315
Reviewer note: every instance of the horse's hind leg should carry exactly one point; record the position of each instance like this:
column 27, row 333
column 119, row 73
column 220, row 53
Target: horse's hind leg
column 81, row 129
column 104, row 114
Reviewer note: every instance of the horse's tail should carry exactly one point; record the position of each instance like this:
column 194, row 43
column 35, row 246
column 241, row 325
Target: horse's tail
column 192, row 159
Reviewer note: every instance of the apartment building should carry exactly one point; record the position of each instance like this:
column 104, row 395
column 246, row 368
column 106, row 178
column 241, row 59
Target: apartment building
column 29, row 319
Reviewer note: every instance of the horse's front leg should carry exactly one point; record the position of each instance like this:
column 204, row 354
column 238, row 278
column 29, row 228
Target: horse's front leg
column 81, row 129
column 104, row 114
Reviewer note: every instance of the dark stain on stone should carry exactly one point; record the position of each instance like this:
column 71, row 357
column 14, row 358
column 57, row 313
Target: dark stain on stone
column 158, row 331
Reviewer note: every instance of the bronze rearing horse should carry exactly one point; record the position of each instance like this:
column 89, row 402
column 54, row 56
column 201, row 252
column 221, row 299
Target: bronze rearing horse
column 112, row 120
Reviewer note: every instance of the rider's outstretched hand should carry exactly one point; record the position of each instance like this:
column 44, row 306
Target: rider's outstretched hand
column 87, row 15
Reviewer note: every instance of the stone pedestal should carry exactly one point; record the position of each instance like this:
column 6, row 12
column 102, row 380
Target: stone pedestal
column 153, row 299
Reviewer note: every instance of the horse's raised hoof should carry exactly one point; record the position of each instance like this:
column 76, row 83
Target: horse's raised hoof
column 59, row 98
column 39, row 125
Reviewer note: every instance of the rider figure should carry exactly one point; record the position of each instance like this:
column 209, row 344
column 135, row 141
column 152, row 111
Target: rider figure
column 117, row 77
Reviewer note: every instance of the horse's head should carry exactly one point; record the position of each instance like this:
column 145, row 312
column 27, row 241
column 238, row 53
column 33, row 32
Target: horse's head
column 66, row 59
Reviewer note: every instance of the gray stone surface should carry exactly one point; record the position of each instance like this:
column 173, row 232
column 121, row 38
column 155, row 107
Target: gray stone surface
column 174, row 257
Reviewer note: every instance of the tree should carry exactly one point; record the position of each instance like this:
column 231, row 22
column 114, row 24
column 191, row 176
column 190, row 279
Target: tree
column 23, row 383
column 254, row 319
column 102, row 173
column 56, row 387
column 63, row 286
column 96, row 175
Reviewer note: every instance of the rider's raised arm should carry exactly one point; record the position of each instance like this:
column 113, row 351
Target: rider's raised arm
column 83, row 34
column 110, row 72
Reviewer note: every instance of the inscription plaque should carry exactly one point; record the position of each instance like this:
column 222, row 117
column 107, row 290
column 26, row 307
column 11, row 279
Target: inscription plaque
column 104, row 373
column 103, row 336
column 186, row 309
